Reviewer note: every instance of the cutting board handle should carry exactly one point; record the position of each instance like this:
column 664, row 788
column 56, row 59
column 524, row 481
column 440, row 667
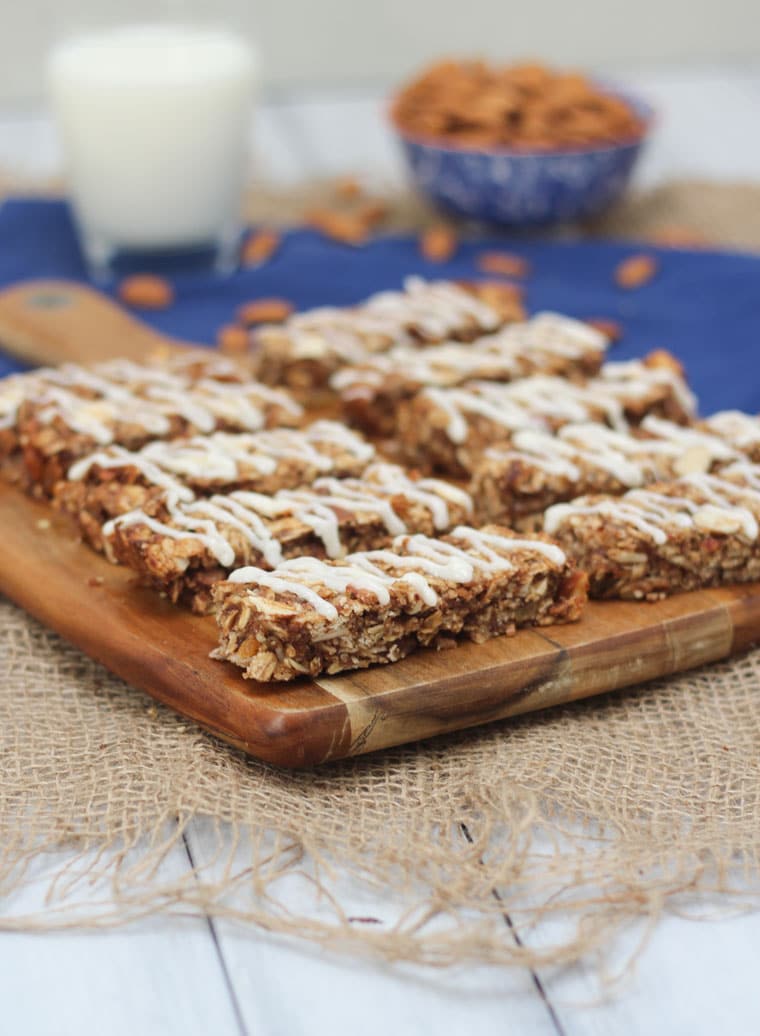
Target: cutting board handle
column 51, row 322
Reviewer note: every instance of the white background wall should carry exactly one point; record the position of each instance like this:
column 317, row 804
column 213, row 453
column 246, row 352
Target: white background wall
column 371, row 41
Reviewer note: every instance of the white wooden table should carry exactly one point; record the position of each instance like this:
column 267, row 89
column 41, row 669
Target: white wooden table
column 200, row 976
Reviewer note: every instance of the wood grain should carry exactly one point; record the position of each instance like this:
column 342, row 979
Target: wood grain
column 50, row 322
column 164, row 651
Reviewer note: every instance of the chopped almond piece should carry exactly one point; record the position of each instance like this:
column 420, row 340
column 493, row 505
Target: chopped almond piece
column 340, row 226
column 146, row 291
column 438, row 243
column 503, row 296
column 259, row 247
column 635, row 271
column 265, row 311
column 233, row 339
column 663, row 360
column 610, row 328
column 505, row 263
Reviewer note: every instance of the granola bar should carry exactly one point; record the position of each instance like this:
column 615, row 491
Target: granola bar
column 77, row 410
column 113, row 480
column 515, row 482
column 309, row 347
column 697, row 531
column 546, row 344
column 309, row 617
column 447, row 430
column 182, row 549
column 179, row 368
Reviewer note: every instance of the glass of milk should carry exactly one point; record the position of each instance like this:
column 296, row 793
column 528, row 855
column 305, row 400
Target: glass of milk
column 155, row 122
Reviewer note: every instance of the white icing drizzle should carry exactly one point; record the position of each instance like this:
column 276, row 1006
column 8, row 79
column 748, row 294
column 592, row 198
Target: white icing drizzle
column 432, row 310
column 535, row 401
column 721, row 506
column 739, row 429
column 188, row 527
column 93, row 401
column 413, row 560
column 224, row 456
column 118, row 457
column 516, row 350
column 627, row 458
column 493, row 546
column 632, row 379
column 318, row 508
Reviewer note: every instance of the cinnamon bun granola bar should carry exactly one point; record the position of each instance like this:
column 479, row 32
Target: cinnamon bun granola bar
column 182, row 549
column 447, row 430
column 548, row 343
column 515, row 482
column 309, row 616
column 113, row 481
column 698, row 531
column 309, row 347
column 78, row 410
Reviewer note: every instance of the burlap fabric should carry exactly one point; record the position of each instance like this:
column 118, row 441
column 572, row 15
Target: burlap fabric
column 597, row 813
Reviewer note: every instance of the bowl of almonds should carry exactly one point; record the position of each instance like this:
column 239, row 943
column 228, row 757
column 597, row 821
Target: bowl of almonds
column 520, row 145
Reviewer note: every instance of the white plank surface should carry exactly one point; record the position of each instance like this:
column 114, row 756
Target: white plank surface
column 285, row 988
column 194, row 977
column 154, row 977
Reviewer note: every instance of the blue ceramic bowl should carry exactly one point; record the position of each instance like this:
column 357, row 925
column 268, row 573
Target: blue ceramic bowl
column 521, row 188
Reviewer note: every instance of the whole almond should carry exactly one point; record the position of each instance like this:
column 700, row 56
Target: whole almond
column 611, row 329
column 146, row 291
column 265, row 311
column 635, row 271
column 259, row 247
column 505, row 263
column 438, row 243
column 233, row 339
column 339, row 226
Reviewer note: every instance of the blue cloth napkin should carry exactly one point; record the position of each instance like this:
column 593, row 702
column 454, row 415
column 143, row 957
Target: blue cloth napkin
column 703, row 306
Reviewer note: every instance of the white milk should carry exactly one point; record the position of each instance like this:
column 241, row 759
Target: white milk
column 155, row 123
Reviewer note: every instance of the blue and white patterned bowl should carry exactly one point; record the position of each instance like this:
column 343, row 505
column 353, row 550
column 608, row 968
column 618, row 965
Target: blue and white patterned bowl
column 524, row 188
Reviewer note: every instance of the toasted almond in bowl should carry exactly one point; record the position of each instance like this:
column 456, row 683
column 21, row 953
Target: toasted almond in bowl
column 518, row 146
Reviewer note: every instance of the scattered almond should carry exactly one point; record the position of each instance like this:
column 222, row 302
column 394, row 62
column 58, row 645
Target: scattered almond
column 504, row 263
column 347, row 228
column 610, row 328
column 259, row 247
column 347, row 188
column 146, row 291
column 265, row 311
column 233, row 339
column 43, row 524
column 635, row 271
column 438, row 243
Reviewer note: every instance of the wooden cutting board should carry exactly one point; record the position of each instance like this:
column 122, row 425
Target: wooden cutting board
column 50, row 322
column 164, row 650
